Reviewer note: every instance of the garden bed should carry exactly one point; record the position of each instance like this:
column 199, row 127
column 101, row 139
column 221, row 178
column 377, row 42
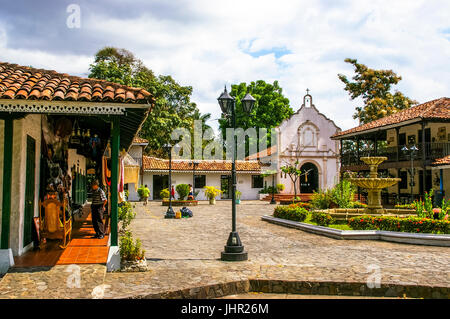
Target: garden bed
column 348, row 221
column 180, row 202
column 391, row 236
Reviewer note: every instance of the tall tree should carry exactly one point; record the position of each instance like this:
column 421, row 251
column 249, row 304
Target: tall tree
column 173, row 107
column 374, row 87
column 270, row 109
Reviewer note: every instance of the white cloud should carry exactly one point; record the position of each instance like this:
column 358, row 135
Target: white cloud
column 210, row 45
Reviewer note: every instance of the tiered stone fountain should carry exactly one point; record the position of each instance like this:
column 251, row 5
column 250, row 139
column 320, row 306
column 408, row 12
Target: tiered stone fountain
column 374, row 184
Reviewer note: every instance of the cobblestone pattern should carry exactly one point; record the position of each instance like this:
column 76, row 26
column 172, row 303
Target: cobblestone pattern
column 184, row 253
column 62, row 282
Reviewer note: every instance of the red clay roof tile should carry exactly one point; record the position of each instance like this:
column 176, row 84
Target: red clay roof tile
column 154, row 163
column 442, row 161
column 21, row 82
column 435, row 109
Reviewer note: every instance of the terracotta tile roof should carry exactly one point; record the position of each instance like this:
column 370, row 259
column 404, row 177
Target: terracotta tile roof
column 442, row 161
column 263, row 153
column 26, row 83
column 154, row 163
column 438, row 109
column 139, row 140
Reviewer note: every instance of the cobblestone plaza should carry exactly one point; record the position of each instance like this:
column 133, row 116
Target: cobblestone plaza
column 185, row 253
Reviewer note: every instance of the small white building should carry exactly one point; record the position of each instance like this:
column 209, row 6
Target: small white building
column 206, row 173
column 305, row 137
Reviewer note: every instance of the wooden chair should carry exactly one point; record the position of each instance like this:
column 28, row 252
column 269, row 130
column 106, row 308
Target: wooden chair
column 54, row 225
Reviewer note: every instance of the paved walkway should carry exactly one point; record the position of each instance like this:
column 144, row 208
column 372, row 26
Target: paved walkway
column 185, row 253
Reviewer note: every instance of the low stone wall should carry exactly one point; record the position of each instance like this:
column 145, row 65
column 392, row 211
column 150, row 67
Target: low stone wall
column 399, row 237
column 303, row 287
column 181, row 203
column 344, row 214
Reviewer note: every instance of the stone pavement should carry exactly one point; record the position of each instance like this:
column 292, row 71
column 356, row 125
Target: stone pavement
column 185, row 253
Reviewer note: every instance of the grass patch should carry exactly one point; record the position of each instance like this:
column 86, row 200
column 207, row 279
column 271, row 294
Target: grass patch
column 335, row 226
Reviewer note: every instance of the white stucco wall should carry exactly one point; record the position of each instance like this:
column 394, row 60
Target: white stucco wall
column 30, row 125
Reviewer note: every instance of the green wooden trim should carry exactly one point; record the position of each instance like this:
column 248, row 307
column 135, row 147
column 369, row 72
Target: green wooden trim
column 7, row 179
column 29, row 191
column 115, row 144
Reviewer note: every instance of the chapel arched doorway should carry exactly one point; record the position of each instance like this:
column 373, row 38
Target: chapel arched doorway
column 309, row 180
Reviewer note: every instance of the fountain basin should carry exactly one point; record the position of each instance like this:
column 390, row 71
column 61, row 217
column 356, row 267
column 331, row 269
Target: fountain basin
column 374, row 160
column 374, row 183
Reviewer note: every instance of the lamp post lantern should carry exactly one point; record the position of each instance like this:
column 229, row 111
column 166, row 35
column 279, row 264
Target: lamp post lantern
column 412, row 153
column 234, row 250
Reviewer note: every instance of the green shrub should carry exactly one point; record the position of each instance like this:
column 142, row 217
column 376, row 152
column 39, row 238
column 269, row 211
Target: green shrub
column 321, row 199
column 401, row 224
column 424, row 209
column 343, row 193
column 445, row 207
column 125, row 214
column 306, row 206
column 140, row 191
column 405, row 206
column 280, row 187
column 297, row 214
column 164, row 193
column 182, row 190
column 322, row 218
column 130, row 250
column 358, row 205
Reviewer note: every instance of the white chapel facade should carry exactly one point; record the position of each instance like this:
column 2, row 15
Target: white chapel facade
column 305, row 137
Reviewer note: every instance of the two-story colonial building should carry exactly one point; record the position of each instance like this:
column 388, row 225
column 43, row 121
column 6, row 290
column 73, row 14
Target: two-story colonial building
column 425, row 126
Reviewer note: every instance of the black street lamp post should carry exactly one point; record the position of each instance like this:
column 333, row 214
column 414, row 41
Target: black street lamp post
column 273, row 201
column 194, row 166
column 169, row 213
column 234, row 250
column 412, row 154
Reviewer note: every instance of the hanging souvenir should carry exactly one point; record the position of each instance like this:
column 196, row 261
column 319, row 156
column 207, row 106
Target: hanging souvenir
column 75, row 141
column 86, row 147
column 95, row 144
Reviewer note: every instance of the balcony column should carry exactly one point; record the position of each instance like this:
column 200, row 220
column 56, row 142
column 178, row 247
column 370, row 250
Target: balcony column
column 397, row 153
column 376, row 145
column 357, row 147
column 115, row 139
column 424, row 175
column 7, row 181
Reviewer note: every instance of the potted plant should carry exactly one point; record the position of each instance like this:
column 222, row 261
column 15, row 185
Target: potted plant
column 263, row 193
column 164, row 194
column 280, row 188
column 211, row 193
column 182, row 190
column 238, row 197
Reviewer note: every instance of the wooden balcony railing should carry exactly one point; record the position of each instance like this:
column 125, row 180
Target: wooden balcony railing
column 433, row 151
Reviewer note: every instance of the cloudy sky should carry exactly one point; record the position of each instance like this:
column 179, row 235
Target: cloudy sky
column 209, row 43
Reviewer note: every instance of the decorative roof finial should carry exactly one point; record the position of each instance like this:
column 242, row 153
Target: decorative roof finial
column 307, row 91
